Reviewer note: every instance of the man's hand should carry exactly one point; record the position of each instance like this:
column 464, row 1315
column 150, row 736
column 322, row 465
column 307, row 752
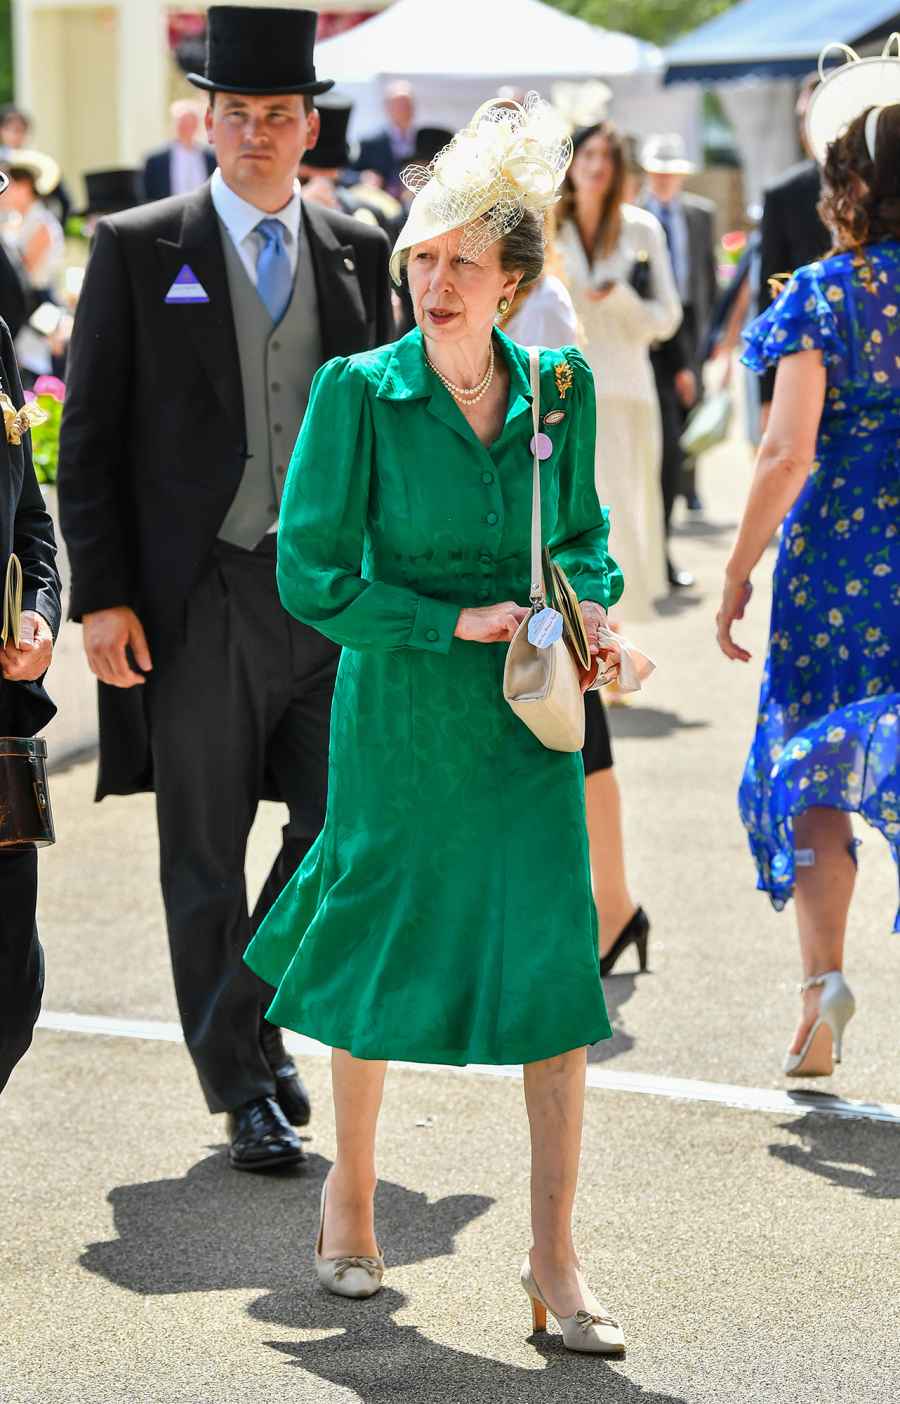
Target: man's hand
column 107, row 634
column 686, row 388
column 32, row 658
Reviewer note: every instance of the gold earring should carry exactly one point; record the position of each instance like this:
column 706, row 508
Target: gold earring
column 503, row 306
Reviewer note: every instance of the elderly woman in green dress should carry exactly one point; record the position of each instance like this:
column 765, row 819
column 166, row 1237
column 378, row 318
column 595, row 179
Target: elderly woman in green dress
column 445, row 913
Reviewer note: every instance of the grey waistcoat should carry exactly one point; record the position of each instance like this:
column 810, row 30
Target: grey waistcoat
column 277, row 367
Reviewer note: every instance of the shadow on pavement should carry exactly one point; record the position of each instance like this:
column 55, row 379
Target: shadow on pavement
column 618, row 990
column 216, row 1230
column 376, row 1359
column 863, row 1156
column 699, row 528
column 648, row 723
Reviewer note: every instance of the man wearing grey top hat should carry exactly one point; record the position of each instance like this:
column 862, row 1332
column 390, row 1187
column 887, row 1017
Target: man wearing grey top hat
column 201, row 324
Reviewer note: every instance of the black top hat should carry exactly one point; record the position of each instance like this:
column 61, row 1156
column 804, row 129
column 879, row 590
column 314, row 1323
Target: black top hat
column 108, row 192
column 332, row 150
column 429, row 141
column 260, row 52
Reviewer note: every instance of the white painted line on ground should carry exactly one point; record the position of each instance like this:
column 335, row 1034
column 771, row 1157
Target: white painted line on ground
column 757, row 1099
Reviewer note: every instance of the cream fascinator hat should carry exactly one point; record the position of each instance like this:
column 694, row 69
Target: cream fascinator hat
column 848, row 90
column 510, row 158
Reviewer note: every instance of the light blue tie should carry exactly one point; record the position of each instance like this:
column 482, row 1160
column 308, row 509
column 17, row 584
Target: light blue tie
column 274, row 279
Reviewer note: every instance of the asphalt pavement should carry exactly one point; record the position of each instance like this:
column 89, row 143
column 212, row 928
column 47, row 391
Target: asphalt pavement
column 752, row 1254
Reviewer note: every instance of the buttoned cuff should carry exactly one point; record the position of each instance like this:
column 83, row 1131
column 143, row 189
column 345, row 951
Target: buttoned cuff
column 434, row 624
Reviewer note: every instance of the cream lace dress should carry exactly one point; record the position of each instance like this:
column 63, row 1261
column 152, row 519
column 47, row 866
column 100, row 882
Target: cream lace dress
column 618, row 334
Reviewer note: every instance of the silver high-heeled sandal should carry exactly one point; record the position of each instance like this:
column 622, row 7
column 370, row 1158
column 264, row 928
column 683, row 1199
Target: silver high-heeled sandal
column 593, row 1331
column 355, row 1276
column 824, row 1042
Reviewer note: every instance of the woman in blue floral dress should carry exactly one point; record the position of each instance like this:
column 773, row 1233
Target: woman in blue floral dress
column 826, row 742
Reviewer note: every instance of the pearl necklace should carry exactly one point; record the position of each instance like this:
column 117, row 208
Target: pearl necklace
column 464, row 394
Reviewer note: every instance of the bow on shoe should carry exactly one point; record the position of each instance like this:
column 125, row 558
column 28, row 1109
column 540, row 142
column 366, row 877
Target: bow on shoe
column 587, row 1319
column 343, row 1265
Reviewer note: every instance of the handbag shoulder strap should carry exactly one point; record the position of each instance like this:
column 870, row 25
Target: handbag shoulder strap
column 537, row 575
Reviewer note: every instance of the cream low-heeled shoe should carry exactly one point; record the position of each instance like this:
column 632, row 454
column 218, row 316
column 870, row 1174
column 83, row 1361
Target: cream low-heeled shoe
column 594, row 1332
column 824, row 1042
column 355, row 1276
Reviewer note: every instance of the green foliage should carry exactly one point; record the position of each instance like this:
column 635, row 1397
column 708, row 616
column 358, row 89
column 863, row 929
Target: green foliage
column 659, row 21
column 6, row 60
column 45, row 439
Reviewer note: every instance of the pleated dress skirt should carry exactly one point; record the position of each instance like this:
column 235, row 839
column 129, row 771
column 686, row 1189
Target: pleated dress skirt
column 445, row 913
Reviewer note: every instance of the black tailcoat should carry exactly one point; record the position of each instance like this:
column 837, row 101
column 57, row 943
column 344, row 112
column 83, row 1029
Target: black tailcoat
column 153, row 436
column 27, row 531
column 792, row 235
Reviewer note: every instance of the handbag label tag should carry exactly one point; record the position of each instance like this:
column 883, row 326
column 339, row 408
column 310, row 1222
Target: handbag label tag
column 545, row 628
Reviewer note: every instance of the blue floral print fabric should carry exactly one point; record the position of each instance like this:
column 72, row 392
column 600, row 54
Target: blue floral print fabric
column 829, row 714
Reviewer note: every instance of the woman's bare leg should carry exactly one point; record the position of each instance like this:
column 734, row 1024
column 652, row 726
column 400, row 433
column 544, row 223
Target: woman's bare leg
column 554, row 1096
column 357, row 1086
column 615, row 904
column 822, row 895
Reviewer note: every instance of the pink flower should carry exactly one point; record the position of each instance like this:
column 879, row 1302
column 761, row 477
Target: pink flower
column 50, row 385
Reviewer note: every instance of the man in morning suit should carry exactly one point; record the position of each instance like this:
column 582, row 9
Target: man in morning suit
column 202, row 321
column 791, row 232
column 27, row 532
column 689, row 226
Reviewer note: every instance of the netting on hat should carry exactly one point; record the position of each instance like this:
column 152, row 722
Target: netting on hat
column 509, row 159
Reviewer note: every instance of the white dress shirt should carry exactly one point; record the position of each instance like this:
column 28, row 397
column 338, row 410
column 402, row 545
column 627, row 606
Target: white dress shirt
column 187, row 167
column 240, row 218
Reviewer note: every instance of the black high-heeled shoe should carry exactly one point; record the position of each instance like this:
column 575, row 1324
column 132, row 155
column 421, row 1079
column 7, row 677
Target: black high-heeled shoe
column 634, row 934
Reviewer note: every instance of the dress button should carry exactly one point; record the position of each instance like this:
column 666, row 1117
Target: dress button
column 492, row 519
column 432, row 635
column 278, row 428
column 276, row 386
column 276, row 345
column 487, row 478
column 484, row 594
column 486, row 559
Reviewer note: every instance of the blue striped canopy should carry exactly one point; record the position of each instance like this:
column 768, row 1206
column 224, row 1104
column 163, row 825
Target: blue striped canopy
column 775, row 38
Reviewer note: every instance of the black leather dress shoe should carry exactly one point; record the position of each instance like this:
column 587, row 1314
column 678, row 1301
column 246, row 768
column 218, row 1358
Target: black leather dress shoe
column 261, row 1138
column 680, row 579
column 290, row 1093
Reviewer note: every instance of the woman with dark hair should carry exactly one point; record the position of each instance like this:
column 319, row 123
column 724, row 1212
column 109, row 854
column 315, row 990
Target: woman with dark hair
column 828, row 473
column 617, row 268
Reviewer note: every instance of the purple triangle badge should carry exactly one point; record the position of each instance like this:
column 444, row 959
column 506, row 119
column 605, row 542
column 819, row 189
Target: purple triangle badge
column 187, row 287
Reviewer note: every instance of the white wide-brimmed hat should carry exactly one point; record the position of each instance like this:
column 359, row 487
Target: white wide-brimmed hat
column 42, row 168
column 846, row 91
column 666, row 154
column 510, row 158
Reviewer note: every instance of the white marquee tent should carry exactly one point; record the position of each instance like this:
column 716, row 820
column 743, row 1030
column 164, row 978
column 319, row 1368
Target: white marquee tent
column 457, row 54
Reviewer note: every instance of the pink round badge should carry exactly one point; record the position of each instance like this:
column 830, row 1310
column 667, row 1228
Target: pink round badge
column 542, row 445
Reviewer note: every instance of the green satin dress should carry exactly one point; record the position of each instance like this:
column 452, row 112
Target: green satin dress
column 444, row 914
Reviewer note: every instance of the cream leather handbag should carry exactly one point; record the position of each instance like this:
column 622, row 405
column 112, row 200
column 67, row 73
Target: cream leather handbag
column 543, row 685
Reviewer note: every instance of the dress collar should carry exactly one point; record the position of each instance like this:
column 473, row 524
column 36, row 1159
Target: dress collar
column 407, row 377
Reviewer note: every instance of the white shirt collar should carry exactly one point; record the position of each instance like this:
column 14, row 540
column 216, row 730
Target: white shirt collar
column 241, row 218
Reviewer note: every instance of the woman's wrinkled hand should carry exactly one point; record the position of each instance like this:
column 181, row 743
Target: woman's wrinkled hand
column 735, row 598
column 593, row 615
column 32, row 658
column 491, row 624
